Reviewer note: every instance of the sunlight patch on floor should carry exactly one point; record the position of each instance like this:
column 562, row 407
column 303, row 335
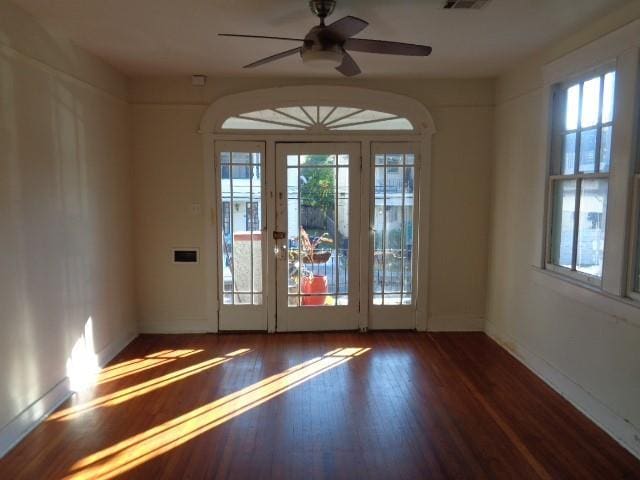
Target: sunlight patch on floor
column 143, row 388
column 136, row 450
column 141, row 364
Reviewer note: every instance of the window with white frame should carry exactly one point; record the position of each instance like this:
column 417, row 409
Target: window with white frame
column 579, row 175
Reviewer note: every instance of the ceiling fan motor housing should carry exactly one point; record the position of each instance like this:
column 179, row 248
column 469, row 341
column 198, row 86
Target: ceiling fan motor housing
column 322, row 8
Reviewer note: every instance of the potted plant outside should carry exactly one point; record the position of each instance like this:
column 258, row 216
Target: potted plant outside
column 312, row 284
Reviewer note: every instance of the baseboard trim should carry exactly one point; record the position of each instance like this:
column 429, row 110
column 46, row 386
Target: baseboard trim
column 178, row 327
column 13, row 432
column 621, row 430
column 455, row 323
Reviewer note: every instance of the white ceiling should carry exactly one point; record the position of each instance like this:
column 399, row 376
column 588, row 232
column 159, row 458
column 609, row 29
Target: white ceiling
column 170, row 37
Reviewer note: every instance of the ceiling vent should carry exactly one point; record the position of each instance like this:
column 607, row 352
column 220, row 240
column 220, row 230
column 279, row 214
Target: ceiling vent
column 466, row 4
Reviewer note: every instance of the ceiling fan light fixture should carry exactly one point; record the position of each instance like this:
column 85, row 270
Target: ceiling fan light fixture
column 322, row 58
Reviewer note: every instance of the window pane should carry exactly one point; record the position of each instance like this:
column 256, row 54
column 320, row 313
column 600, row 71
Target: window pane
column 408, row 236
column 318, row 160
column 593, row 210
column 590, row 102
column 394, row 159
column 240, row 157
column 608, row 96
column 364, row 116
column 573, row 100
column 241, row 252
column 588, row 151
column 393, row 241
column 274, row 116
column 235, row 123
column 342, row 232
column 378, row 233
column 564, row 203
column 605, row 149
column 393, row 234
column 569, row 157
column 318, row 230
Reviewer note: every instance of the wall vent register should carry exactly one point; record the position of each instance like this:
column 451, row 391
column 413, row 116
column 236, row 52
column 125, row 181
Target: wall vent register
column 185, row 256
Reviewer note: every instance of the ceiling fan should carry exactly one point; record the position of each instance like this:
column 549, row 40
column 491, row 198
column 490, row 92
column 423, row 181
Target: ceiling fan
column 329, row 44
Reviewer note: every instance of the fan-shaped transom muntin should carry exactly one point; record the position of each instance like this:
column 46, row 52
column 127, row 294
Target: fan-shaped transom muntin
column 318, row 118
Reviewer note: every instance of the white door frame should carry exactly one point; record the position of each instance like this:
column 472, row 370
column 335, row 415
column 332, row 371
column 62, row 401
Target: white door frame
column 397, row 317
column 321, row 317
column 211, row 131
column 246, row 316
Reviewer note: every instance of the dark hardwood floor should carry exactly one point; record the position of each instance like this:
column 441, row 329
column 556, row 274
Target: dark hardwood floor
column 339, row 405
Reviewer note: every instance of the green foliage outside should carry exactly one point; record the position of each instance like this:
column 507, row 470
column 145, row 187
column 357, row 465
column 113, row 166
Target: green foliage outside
column 319, row 189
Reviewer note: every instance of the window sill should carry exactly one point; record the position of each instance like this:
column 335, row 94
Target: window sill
column 622, row 308
column 575, row 276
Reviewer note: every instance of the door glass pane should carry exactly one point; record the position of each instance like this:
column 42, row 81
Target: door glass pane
column 378, row 230
column 254, row 221
column 318, row 229
column 393, row 229
column 563, row 223
column 407, row 241
column 593, row 211
column 241, row 214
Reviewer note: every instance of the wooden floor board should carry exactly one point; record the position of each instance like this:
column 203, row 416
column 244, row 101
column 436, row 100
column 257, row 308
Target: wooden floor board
column 318, row 405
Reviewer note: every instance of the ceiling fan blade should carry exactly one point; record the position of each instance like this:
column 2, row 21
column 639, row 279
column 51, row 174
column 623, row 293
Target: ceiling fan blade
column 260, row 36
column 348, row 67
column 273, row 58
column 346, row 27
column 388, row 48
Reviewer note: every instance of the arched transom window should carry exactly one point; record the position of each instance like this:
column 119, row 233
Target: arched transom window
column 317, row 118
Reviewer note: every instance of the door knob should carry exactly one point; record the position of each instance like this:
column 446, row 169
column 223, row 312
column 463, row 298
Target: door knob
column 280, row 252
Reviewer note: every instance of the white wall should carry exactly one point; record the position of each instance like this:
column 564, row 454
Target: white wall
column 168, row 173
column 586, row 344
column 65, row 215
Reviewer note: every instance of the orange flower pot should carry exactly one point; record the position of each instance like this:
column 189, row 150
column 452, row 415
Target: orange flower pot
column 316, row 285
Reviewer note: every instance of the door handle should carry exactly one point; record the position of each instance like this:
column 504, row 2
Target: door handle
column 280, row 251
column 280, row 248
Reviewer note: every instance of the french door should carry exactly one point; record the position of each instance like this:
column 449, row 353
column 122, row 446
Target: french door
column 317, row 235
column 242, row 243
column 394, row 220
column 293, row 242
